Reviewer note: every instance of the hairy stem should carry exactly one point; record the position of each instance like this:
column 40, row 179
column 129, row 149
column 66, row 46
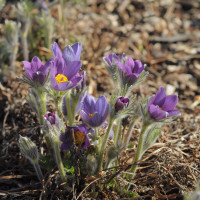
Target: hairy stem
column 103, row 145
column 38, row 170
column 129, row 133
column 59, row 160
column 70, row 117
column 139, row 150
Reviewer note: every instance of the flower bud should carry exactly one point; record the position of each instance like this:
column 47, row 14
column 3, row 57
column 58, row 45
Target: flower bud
column 50, row 118
column 28, row 149
column 121, row 103
column 91, row 164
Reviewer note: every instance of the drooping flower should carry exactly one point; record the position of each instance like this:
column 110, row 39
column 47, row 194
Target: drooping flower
column 161, row 106
column 36, row 72
column 94, row 112
column 75, row 135
column 70, row 53
column 64, row 76
column 131, row 70
column 121, row 103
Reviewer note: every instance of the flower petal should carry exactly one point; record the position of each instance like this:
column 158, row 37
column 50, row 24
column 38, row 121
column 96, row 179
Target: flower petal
column 68, row 54
column 56, row 49
column 84, row 116
column 170, row 102
column 173, row 112
column 159, row 97
column 89, row 104
column 72, row 69
column 77, row 47
column 101, row 105
column 96, row 120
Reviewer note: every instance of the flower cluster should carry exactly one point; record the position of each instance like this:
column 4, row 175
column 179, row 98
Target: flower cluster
column 82, row 121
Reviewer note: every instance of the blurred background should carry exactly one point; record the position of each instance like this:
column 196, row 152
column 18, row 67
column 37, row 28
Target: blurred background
column 163, row 34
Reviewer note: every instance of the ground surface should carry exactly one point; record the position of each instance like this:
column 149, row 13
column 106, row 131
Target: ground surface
column 163, row 34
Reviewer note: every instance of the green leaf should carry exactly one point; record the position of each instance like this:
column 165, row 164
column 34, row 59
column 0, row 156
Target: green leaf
column 151, row 136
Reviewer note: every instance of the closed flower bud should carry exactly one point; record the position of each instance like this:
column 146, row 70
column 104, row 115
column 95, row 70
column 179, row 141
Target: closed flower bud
column 91, row 164
column 121, row 103
column 28, row 149
column 112, row 153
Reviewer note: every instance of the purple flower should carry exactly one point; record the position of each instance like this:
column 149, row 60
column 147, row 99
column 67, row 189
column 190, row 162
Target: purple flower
column 79, row 138
column 131, row 69
column 112, row 59
column 70, row 53
column 121, row 103
column 36, row 72
column 64, row 76
column 161, row 106
column 94, row 112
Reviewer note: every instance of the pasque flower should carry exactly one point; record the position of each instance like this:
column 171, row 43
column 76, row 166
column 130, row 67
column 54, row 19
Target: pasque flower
column 36, row 72
column 121, row 103
column 131, row 70
column 64, row 76
column 70, row 53
column 161, row 106
column 93, row 112
column 75, row 135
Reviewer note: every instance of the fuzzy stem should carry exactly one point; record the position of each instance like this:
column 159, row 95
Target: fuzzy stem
column 117, row 129
column 38, row 170
column 103, row 145
column 42, row 106
column 70, row 117
column 58, row 102
column 139, row 150
column 129, row 133
column 58, row 159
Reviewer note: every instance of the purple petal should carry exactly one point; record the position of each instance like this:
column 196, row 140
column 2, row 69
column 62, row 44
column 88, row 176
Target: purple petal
column 68, row 54
column 133, row 77
column 89, row 104
column 77, row 47
column 159, row 97
column 84, row 116
column 96, row 120
column 156, row 113
column 101, row 105
column 27, row 68
column 173, row 112
column 35, row 64
column 39, row 77
column 170, row 102
column 56, row 50
column 72, row 69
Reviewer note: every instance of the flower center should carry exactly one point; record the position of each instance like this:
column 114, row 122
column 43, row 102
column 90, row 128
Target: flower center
column 91, row 115
column 79, row 137
column 60, row 78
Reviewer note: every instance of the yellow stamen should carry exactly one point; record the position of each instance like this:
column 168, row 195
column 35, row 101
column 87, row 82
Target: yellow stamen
column 91, row 115
column 60, row 78
column 79, row 137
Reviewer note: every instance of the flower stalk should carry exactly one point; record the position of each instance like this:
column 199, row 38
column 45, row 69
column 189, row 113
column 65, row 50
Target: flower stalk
column 139, row 152
column 104, row 143
column 59, row 162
